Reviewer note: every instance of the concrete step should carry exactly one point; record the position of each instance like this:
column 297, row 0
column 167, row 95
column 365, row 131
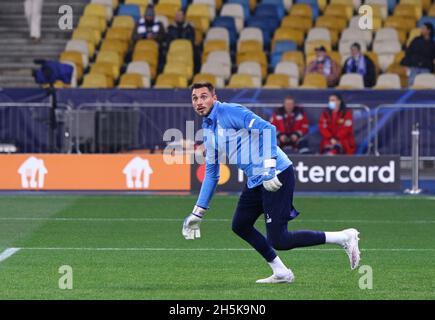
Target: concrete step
column 17, row 7
column 32, row 48
column 16, row 72
column 26, row 41
column 23, row 54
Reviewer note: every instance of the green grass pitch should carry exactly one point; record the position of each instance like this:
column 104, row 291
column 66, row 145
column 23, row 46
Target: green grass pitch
column 131, row 247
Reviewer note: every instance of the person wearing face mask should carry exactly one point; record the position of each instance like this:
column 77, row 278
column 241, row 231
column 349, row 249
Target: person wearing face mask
column 180, row 29
column 336, row 128
column 323, row 64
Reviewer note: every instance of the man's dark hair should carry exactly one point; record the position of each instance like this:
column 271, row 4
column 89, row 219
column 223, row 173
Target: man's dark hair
column 356, row 45
column 429, row 26
column 199, row 85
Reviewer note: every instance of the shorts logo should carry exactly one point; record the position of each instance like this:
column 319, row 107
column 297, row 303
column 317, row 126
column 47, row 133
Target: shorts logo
column 268, row 219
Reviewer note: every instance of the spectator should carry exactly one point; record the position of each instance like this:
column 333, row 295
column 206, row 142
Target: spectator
column 149, row 28
column 291, row 124
column 360, row 63
column 420, row 55
column 33, row 13
column 335, row 126
column 180, row 29
column 323, row 64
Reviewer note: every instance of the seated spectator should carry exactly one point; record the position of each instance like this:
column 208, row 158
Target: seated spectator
column 360, row 63
column 180, row 29
column 420, row 55
column 292, row 126
column 335, row 126
column 149, row 28
column 323, row 64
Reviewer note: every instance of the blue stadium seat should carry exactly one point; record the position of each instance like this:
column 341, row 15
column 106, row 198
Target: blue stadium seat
column 280, row 48
column 391, row 5
column 130, row 10
column 267, row 25
column 229, row 24
column 245, row 5
column 269, row 11
column 314, row 5
column 278, row 3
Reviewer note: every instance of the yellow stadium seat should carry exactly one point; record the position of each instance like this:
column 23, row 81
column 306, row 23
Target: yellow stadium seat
column 297, row 22
column 126, row 22
column 401, row 72
column 115, row 45
column 131, row 81
column 182, row 46
column 148, row 56
column 296, row 57
column 213, row 45
column 239, row 81
column 339, row 10
column 249, row 45
column 166, row 9
column 174, row 2
column 147, row 45
column 314, row 81
column 201, row 11
column 277, row 81
column 400, row 23
column 301, row 10
column 322, row 4
column 374, row 57
column 119, row 34
column 96, row 81
column 109, row 56
column 408, row 11
column 255, row 56
column 76, row 58
column 178, row 58
column 93, row 22
column 109, row 69
column 284, row 33
column 431, row 11
column 96, row 9
column 416, row 32
column 205, row 77
column 180, row 68
column 167, row 80
column 88, row 36
column 142, row 3
column 311, row 45
column 252, row 4
column 331, row 23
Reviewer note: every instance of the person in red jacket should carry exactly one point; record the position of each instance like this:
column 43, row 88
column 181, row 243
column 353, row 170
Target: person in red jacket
column 336, row 128
column 292, row 126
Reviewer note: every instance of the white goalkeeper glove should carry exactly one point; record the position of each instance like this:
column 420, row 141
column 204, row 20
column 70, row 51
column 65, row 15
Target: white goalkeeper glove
column 270, row 181
column 191, row 224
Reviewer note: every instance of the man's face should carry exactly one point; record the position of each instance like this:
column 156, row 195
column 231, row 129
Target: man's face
column 354, row 52
column 425, row 31
column 202, row 101
column 289, row 105
column 179, row 17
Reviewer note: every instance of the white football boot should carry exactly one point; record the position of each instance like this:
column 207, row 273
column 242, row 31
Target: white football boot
column 287, row 278
column 351, row 247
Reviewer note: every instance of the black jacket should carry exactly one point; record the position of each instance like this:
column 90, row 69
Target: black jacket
column 370, row 74
column 420, row 54
column 183, row 31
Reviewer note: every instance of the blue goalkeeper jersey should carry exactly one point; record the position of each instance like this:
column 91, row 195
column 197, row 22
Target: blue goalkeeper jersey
column 235, row 135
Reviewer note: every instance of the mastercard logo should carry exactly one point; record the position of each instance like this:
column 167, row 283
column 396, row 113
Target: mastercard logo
column 225, row 173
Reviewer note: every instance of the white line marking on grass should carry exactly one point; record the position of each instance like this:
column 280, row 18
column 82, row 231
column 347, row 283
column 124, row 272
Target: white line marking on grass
column 212, row 249
column 210, row 220
column 8, row 253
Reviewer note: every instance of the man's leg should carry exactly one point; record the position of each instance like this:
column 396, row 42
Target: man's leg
column 249, row 208
column 278, row 207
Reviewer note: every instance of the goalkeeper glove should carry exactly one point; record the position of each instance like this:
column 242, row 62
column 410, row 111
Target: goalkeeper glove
column 270, row 181
column 191, row 224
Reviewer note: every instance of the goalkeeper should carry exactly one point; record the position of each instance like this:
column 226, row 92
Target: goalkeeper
column 233, row 131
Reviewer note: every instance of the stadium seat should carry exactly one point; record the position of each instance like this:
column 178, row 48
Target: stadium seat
column 319, row 34
column 147, row 45
column 253, row 69
column 170, row 81
column 181, row 46
column 122, row 34
column 219, row 70
column 334, row 24
column 79, row 46
column 269, row 10
column 131, row 10
column 149, row 57
column 388, row 81
column 213, row 45
column 375, row 59
column 431, row 12
column 424, row 81
column 291, row 70
column 249, row 45
column 408, row 11
column 284, row 33
column 206, row 77
column 386, row 34
column 279, row 49
column 179, row 68
column 314, row 81
column 222, row 57
column 92, row 36
column 277, row 81
column 313, row 4
column 256, row 56
column 111, row 70
column 99, row 10
column 250, row 33
column 229, row 24
column 124, row 22
column 234, row 10
column 166, row 9
column 113, row 4
column 351, row 81
column 142, row 68
column 382, row 4
column 296, row 57
column 115, row 45
column 297, row 22
column 367, row 35
column 217, row 33
column 401, row 72
column 339, row 11
column 96, row 81
column 267, row 26
column 93, row 22
column 74, row 57
column 131, row 81
column 211, row 4
column 199, row 15
column 302, row 10
column 386, row 52
column 109, row 56
column 240, row 81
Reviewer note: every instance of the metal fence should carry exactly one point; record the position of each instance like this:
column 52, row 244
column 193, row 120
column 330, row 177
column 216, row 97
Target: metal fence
column 393, row 126
column 122, row 127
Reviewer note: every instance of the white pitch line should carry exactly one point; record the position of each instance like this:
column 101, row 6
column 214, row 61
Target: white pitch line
column 210, row 249
column 8, row 253
column 210, row 220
